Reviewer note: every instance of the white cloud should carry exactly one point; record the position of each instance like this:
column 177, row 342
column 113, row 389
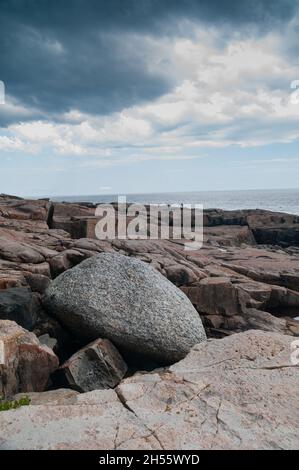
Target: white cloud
column 15, row 144
column 36, row 131
column 237, row 95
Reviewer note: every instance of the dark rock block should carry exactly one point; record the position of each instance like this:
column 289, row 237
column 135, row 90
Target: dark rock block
column 21, row 305
column 98, row 365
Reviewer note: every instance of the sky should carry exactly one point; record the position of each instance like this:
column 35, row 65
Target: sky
column 135, row 96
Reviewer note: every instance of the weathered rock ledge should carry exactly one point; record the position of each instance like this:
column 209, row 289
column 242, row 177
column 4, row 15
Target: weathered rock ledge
column 234, row 282
column 238, row 392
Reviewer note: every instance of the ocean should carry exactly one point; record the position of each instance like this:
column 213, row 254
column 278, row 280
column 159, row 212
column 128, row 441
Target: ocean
column 280, row 200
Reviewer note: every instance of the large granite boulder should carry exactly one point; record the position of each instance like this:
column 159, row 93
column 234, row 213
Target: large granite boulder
column 125, row 300
column 25, row 363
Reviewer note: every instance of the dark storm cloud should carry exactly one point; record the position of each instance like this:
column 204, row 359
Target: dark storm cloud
column 142, row 14
column 62, row 55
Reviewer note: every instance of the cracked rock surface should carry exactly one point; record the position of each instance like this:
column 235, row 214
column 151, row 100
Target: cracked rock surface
column 240, row 392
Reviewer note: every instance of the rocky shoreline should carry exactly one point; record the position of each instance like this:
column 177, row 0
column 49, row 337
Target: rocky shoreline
column 94, row 355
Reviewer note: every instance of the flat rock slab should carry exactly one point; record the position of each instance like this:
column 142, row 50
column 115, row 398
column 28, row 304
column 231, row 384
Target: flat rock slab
column 241, row 392
column 60, row 396
column 96, row 421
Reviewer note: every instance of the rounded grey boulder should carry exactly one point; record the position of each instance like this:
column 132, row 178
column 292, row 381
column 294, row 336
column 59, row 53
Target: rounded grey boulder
column 128, row 302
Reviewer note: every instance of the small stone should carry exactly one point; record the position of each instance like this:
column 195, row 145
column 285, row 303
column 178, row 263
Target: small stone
column 98, row 365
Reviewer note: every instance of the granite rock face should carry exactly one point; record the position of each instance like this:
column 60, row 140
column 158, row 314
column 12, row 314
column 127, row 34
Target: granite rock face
column 25, row 363
column 91, row 421
column 240, row 392
column 128, row 302
column 96, row 366
column 60, row 396
column 21, row 305
column 259, row 283
column 34, row 249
